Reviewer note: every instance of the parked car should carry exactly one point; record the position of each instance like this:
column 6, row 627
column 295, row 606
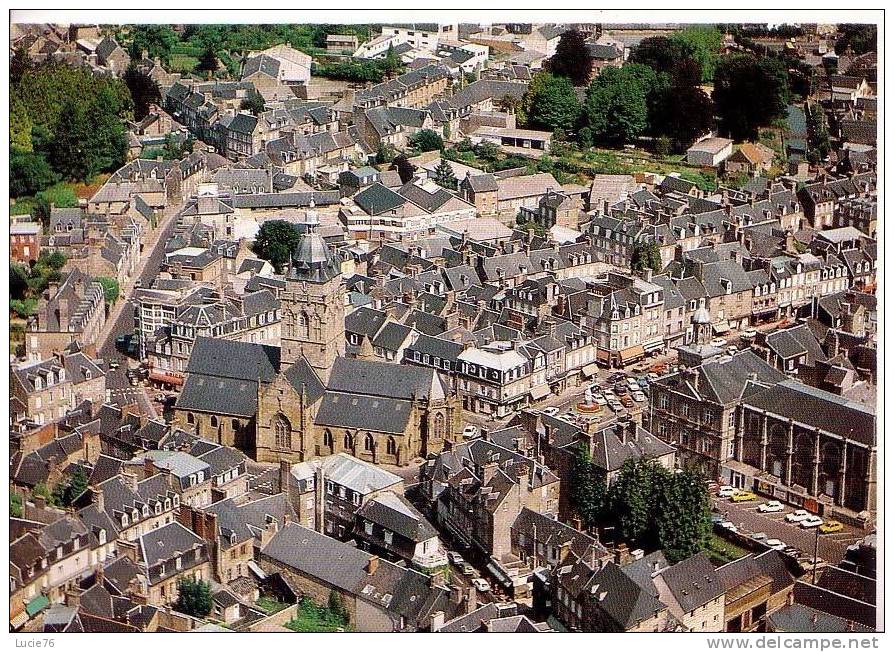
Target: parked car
column 743, row 496
column 652, row 376
column 729, row 526
column 627, row 402
column 632, row 383
column 797, row 516
column 467, row 569
column 831, row 526
column 481, row 585
column 615, row 377
column 775, row 544
column 470, row 432
column 610, row 396
column 615, row 405
column 732, row 349
column 811, row 521
column 643, row 382
column 639, row 397
column 791, row 551
column 771, row 506
column 455, row 557
column 718, row 342
column 749, row 333
column 726, row 491
column 550, row 411
column 758, row 536
column 599, row 399
column 114, row 364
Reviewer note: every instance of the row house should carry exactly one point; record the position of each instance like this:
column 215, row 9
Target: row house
column 821, row 200
column 414, row 89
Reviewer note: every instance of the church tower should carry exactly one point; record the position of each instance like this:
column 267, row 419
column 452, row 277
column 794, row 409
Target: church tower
column 313, row 312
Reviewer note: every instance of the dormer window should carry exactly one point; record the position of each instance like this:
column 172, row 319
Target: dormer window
column 145, row 511
column 125, row 521
column 176, row 501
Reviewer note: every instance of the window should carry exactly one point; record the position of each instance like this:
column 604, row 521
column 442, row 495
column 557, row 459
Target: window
column 439, row 426
column 327, row 439
column 369, row 443
column 190, row 418
column 391, row 447
column 282, row 432
column 235, row 424
column 349, row 441
column 368, row 527
column 330, row 488
column 214, row 421
column 389, row 536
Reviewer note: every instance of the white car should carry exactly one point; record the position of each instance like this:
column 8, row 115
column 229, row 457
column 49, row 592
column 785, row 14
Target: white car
column 639, row 397
column 470, row 432
column 749, row 333
column 615, row 405
column 610, row 395
column 599, row 399
column 569, row 417
column 775, row 544
column 632, row 384
column 811, row 521
column 481, row 585
column 732, row 349
column 729, row 525
column 718, row 342
column 726, row 491
column 550, row 411
column 771, row 506
column 797, row 516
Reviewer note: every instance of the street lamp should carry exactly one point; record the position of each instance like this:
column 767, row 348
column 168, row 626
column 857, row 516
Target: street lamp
column 815, row 552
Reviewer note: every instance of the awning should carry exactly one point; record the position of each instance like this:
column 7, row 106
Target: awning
column 721, row 327
column 653, row 346
column 631, row 353
column 165, row 378
column 590, row 370
column 18, row 620
column 37, row 605
column 539, row 392
column 500, row 576
column 605, row 356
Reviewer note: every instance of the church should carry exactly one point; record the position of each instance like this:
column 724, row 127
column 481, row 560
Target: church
column 305, row 399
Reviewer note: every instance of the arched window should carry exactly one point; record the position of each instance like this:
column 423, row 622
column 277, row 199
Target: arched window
column 391, row 447
column 439, row 426
column 213, row 421
column 369, row 443
column 235, row 425
column 327, row 439
column 303, row 325
column 190, row 418
column 349, row 441
column 282, row 432
column 317, row 329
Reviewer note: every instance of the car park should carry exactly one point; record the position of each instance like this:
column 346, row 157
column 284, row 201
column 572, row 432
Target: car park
column 775, row 544
column 599, row 399
column 811, row 521
column 797, row 516
column 726, row 491
column 569, row 417
column 481, row 585
column 639, row 397
column 830, row 527
column 470, row 432
column 652, row 376
column 616, row 405
column 743, row 496
column 771, row 506
column 610, row 396
column 550, row 411
column 627, row 402
column 718, row 342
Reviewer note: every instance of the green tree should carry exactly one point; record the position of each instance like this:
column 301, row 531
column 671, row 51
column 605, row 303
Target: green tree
column 444, row 175
column 660, row 53
column 427, row 140
column 253, row 102
column 682, row 114
column 487, row 150
column 618, row 102
column 632, row 500
column 143, row 90
column 69, row 149
column 208, row 62
column 385, row 153
column 338, row 608
column 404, row 168
column 587, row 486
column 18, row 281
column 553, row 103
column 110, row 288
column 572, row 58
column 42, row 491
column 749, row 93
column 20, row 127
column 20, row 64
column 646, row 255
column 16, row 505
column 275, row 242
column 29, row 173
column 682, row 515
column 703, row 44
column 859, row 39
column 193, row 597
column 154, row 40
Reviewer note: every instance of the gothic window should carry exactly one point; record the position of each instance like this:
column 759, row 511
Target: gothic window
column 439, row 426
column 327, row 439
column 391, row 447
column 368, row 442
column 282, row 432
column 317, row 329
column 349, row 441
column 190, row 418
column 213, row 421
column 303, row 325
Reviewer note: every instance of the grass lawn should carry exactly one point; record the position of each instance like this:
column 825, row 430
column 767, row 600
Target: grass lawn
column 183, row 63
column 311, row 618
column 270, row 605
column 722, row 551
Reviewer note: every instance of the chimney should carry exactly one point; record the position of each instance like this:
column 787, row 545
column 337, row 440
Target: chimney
column 130, row 479
column 285, row 470
column 99, row 500
column 471, row 600
column 99, row 574
column 606, row 207
column 319, row 484
column 488, row 471
column 72, row 598
column 456, row 594
column 647, row 274
column 372, row 565
column 148, row 467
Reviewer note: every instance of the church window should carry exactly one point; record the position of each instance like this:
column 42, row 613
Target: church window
column 190, row 418
column 303, row 325
column 327, row 439
column 282, row 432
column 391, row 447
column 349, row 441
column 317, row 329
column 439, row 426
column 368, row 442
column 213, row 421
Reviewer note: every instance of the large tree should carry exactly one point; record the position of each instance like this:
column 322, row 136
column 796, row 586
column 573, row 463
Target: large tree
column 275, row 242
column 155, row 40
column 444, row 175
column 29, row 173
column 703, row 44
column 749, row 93
column 427, row 140
column 572, row 58
column 660, row 53
column 193, row 597
column 253, row 102
column 632, row 501
column 682, row 515
column 587, row 487
column 682, row 114
column 553, row 103
column 208, row 62
column 618, row 103
column 143, row 90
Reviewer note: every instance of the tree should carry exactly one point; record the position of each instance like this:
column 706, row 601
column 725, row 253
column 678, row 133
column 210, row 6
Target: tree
column 683, row 113
column 16, row 505
column 29, row 173
column 702, row 44
column 632, row 500
column 749, row 93
column 646, row 255
column 111, row 289
column 618, row 102
column 404, row 168
column 208, row 62
column 253, row 102
column 18, row 281
column 859, row 39
column 154, row 40
column 487, row 150
column 553, row 103
column 572, row 58
column 68, row 149
column 682, row 515
column 588, row 490
column 20, row 64
column 42, row 491
column 275, row 242
column 660, row 53
column 20, row 127
column 427, row 140
column 444, row 175
column 193, row 597
column 337, row 607
column 143, row 90
column 385, row 153
column 391, row 64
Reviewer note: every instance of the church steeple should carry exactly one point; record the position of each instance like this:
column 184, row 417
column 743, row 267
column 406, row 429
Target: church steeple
column 313, row 303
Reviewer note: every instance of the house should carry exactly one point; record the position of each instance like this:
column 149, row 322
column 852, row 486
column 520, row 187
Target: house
column 112, row 56
column 694, row 593
column 24, row 241
column 341, row 43
column 750, row 159
column 389, row 525
column 710, row 152
column 292, row 66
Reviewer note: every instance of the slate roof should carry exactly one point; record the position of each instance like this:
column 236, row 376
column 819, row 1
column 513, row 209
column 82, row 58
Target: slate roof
column 377, row 199
column 166, row 542
column 621, row 598
column 373, row 378
column 693, row 582
column 397, row 514
column 375, row 413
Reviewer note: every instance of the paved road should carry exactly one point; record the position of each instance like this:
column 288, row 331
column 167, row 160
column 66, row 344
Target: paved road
column 746, row 517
